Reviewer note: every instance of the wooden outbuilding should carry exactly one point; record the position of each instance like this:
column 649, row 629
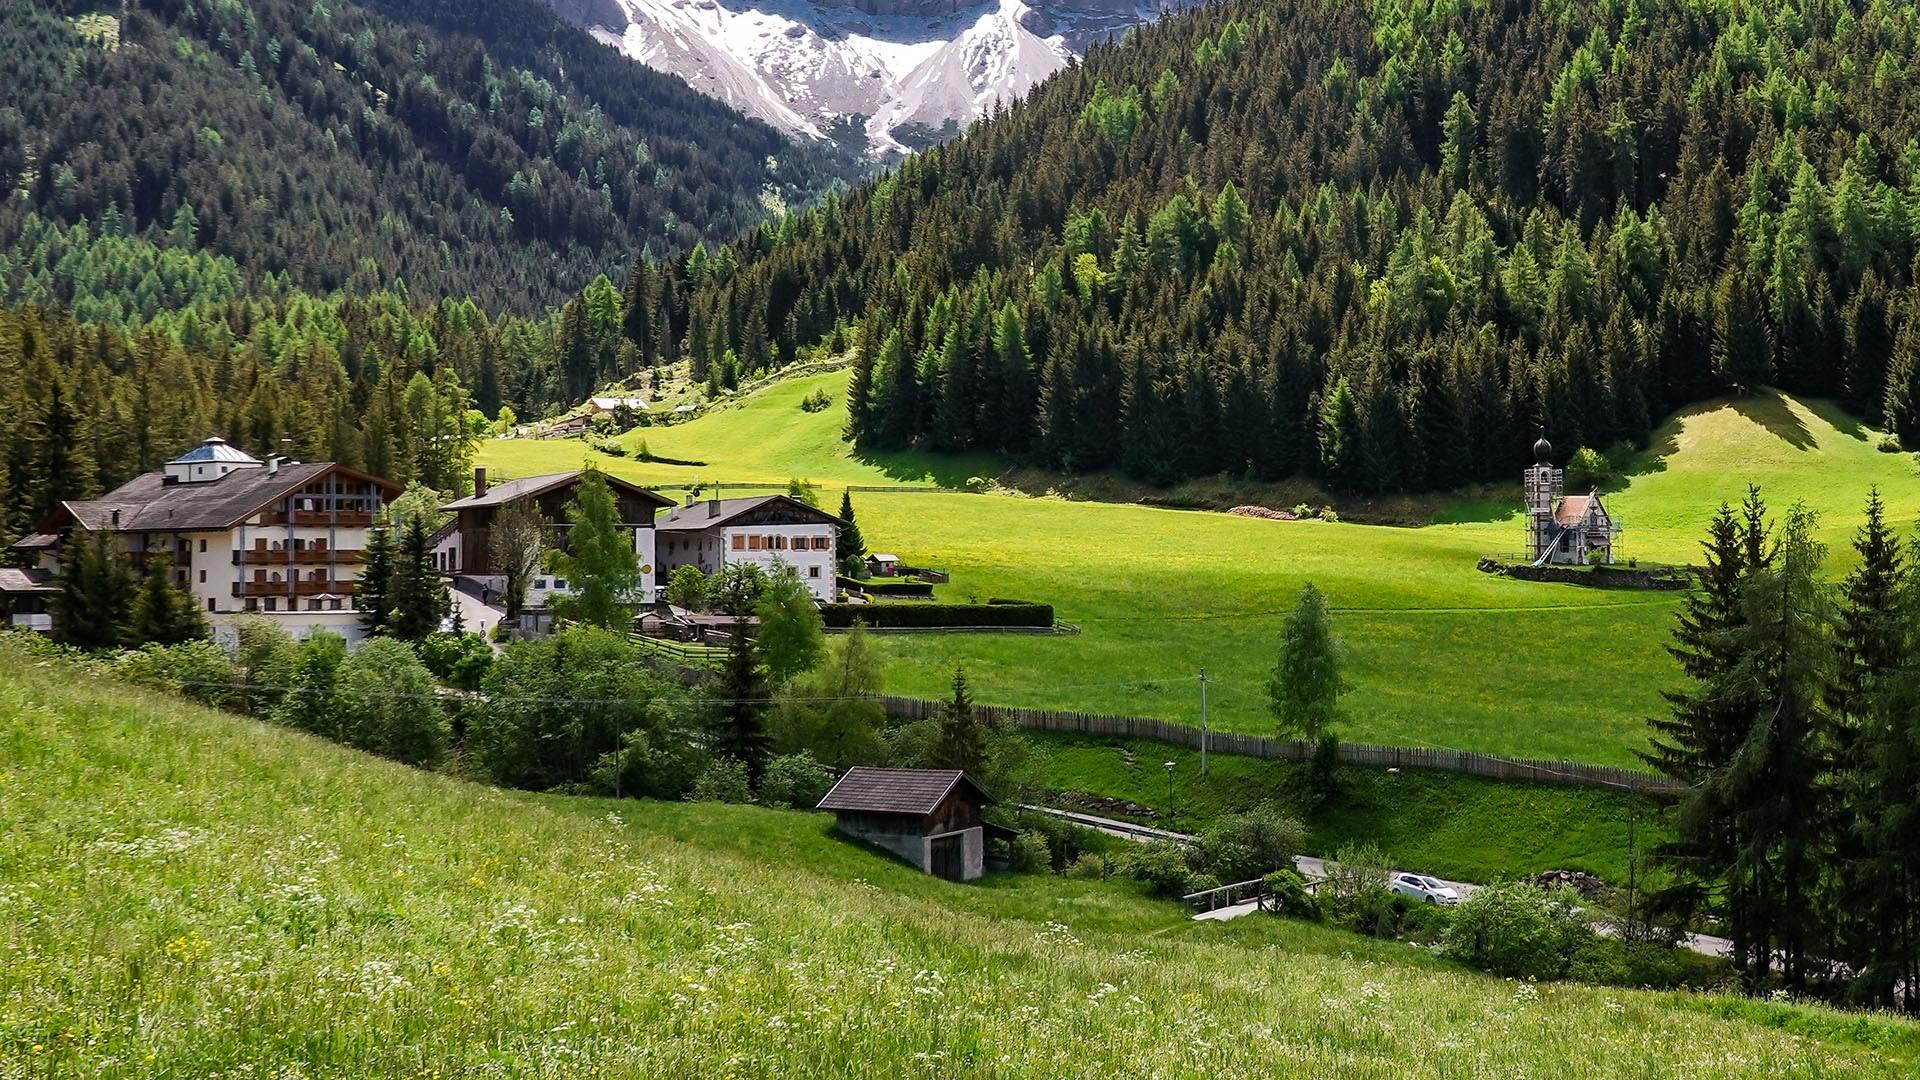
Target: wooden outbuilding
column 929, row 817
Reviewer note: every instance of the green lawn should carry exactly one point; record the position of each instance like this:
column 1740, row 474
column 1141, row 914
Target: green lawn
column 188, row 894
column 1440, row 654
column 1458, row 827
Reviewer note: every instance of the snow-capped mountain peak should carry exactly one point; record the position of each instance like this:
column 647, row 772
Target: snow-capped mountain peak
column 902, row 69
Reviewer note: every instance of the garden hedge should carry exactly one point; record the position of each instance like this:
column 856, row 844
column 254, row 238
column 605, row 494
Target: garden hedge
column 896, row 616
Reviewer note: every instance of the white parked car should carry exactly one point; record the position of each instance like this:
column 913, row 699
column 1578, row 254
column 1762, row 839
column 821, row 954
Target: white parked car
column 1425, row 889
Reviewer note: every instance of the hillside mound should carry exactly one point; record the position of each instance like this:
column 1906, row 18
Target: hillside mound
column 186, row 893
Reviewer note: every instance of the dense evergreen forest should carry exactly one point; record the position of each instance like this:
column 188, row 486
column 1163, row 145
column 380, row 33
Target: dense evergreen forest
column 1380, row 242
column 162, row 152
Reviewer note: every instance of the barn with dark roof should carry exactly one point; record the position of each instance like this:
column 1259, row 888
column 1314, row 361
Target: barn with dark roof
column 929, row 817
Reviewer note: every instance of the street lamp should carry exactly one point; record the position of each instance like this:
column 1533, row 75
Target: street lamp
column 1169, row 766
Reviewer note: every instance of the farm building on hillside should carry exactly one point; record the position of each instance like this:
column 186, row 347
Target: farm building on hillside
column 1565, row 529
column 929, row 817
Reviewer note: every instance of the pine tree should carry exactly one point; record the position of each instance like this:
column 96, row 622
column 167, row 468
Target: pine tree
column 95, row 602
column 373, row 591
column 740, row 731
column 962, row 740
column 1772, row 790
column 418, row 595
column 1885, row 805
column 1901, row 404
column 849, row 544
column 163, row 613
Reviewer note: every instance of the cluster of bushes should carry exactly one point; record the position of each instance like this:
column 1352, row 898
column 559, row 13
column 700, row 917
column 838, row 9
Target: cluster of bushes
column 818, row 401
column 1306, row 512
column 379, row 698
column 1237, row 848
column 897, row 616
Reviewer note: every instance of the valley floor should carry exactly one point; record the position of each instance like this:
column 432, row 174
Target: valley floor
column 1440, row 655
column 184, row 893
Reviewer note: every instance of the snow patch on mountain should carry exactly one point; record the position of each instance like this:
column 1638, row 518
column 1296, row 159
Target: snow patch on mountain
column 895, row 66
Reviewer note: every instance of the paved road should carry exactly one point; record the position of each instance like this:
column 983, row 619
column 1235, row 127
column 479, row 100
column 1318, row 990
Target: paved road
column 1313, row 869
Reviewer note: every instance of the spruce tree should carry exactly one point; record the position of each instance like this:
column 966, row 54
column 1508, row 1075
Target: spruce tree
column 163, row 613
column 850, row 543
column 1885, row 818
column 1901, row 402
column 740, row 730
column 962, row 740
column 417, row 595
column 1772, row 790
column 372, row 594
column 95, row 602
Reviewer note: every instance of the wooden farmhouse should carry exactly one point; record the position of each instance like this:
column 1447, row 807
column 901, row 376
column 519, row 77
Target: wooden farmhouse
column 929, row 817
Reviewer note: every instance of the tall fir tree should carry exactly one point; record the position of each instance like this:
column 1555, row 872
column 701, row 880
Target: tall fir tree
column 849, row 544
column 740, row 725
column 373, row 591
column 95, row 603
column 416, row 592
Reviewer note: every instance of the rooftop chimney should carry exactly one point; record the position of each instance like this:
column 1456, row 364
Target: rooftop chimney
column 273, row 464
column 116, row 517
column 713, row 507
column 479, row 480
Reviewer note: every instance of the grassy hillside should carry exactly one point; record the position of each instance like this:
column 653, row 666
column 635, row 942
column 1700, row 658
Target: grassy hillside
column 1440, row 653
column 1457, row 827
column 187, row 894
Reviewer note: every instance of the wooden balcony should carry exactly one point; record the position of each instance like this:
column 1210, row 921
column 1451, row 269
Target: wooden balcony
column 295, row 588
column 299, row 557
column 345, row 519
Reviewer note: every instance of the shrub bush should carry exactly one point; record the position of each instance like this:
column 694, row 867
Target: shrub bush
column 1517, row 930
column 1245, row 846
column 1162, row 866
column 1089, row 866
column 794, row 781
column 938, row 614
column 199, row 670
column 459, row 660
column 1031, row 854
column 1065, row 841
column 388, row 704
column 1288, row 891
column 723, row 780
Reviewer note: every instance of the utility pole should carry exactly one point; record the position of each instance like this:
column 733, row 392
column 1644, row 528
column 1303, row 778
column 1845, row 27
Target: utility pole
column 1169, row 767
column 1203, row 723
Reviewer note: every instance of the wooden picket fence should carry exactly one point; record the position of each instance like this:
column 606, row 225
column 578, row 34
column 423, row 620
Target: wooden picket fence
column 1364, row 755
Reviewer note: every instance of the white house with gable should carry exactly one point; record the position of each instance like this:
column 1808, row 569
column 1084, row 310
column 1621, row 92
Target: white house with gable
column 272, row 538
column 762, row 530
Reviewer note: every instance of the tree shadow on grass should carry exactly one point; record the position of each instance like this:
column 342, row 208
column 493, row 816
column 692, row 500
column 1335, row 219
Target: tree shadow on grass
column 929, row 466
column 1773, row 412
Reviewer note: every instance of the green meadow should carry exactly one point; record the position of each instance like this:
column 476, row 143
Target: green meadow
column 1439, row 654
column 187, row 894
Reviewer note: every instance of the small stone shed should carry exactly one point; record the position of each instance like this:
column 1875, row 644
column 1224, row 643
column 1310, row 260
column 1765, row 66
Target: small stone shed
column 929, row 817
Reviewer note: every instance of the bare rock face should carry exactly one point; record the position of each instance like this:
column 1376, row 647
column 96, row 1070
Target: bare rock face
column 891, row 74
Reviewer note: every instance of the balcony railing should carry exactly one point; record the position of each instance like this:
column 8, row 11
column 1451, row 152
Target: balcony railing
column 296, row 557
column 345, row 519
column 294, row 588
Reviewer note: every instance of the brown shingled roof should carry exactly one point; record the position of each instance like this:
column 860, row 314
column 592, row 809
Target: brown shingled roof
column 896, row 791
column 1572, row 510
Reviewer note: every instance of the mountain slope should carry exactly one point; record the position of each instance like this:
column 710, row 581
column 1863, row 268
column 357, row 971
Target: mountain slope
column 1382, row 244
column 186, row 893
column 488, row 151
column 880, row 73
